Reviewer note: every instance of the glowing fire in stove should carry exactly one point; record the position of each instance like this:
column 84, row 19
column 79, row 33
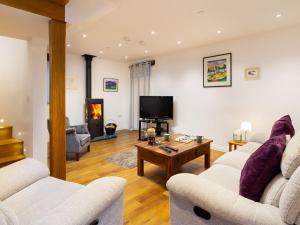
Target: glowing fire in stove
column 96, row 111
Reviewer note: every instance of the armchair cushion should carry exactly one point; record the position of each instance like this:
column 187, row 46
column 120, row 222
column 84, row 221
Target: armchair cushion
column 289, row 203
column 223, row 175
column 249, row 148
column 7, row 216
column 81, row 129
column 87, row 204
column 274, row 190
column 259, row 137
column 291, row 156
column 34, row 202
column 231, row 206
column 235, row 159
column 19, row 175
column 84, row 139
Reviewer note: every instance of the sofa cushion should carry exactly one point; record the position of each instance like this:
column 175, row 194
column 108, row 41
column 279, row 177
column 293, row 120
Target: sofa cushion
column 20, row 175
column 7, row 216
column 235, row 159
column 249, row 148
column 273, row 191
column 84, row 138
column 226, row 176
column 283, row 126
column 289, row 204
column 35, row 201
column 262, row 166
column 291, row 156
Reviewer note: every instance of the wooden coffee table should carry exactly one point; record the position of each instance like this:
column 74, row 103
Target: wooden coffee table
column 174, row 160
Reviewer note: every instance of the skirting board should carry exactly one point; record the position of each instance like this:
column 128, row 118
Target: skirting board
column 220, row 148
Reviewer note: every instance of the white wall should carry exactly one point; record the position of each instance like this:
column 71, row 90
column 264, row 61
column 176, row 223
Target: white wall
column 217, row 112
column 23, row 92
column 15, row 103
column 116, row 104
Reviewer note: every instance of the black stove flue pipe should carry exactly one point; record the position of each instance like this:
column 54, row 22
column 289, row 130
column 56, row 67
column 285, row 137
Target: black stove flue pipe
column 88, row 74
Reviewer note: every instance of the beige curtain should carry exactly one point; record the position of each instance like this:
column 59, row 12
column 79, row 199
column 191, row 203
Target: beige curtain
column 140, row 86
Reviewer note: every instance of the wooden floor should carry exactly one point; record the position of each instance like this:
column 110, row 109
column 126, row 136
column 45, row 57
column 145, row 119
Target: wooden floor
column 146, row 198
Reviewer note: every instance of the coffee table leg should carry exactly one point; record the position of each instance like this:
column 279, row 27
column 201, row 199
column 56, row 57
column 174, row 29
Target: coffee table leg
column 207, row 160
column 140, row 166
column 170, row 169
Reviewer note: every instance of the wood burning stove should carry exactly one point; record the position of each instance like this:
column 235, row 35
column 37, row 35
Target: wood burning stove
column 94, row 117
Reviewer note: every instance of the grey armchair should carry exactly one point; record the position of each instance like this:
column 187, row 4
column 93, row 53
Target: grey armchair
column 78, row 139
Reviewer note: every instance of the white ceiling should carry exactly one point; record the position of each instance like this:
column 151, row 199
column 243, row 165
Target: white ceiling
column 107, row 22
column 21, row 24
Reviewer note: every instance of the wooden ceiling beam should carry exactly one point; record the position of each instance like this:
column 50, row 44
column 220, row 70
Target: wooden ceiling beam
column 60, row 2
column 51, row 9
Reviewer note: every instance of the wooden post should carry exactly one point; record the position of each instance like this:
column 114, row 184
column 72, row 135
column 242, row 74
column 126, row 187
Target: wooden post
column 57, row 126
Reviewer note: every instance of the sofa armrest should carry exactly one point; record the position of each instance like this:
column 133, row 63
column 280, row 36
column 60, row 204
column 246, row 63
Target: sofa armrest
column 19, row 175
column 86, row 205
column 70, row 130
column 258, row 137
column 222, row 203
column 81, row 129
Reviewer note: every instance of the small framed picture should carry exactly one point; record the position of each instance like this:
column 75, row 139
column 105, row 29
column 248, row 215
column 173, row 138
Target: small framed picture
column 217, row 71
column 110, row 85
column 252, row 73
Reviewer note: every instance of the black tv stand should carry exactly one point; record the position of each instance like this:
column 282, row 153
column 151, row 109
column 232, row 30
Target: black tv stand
column 158, row 123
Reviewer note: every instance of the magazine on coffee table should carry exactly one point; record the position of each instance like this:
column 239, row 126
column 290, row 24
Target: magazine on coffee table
column 185, row 139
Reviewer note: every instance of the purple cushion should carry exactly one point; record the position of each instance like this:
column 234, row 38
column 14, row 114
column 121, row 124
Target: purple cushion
column 283, row 126
column 261, row 167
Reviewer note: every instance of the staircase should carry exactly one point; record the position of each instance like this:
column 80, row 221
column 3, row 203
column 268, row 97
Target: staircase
column 11, row 149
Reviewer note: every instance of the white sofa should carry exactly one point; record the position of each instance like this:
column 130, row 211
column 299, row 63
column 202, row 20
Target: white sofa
column 212, row 198
column 29, row 196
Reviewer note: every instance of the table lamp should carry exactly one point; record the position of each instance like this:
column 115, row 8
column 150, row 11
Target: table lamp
column 246, row 126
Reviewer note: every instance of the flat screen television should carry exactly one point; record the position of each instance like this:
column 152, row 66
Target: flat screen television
column 156, row 107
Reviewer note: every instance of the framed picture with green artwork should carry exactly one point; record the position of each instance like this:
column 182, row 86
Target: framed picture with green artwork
column 217, row 71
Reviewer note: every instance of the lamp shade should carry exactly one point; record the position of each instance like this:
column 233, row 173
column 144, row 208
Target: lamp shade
column 246, row 126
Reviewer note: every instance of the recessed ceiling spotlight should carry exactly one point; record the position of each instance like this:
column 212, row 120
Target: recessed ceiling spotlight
column 84, row 36
column 219, row 31
column 126, row 38
column 153, row 32
column 101, row 52
column 1, row 120
column 120, row 45
column 68, row 45
column 200, row 12
column 126, row 57
column 146, row 51
column 179, row 42
column 141, row 42
column 278, row 15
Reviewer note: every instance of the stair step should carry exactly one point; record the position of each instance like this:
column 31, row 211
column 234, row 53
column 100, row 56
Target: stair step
column 11, row 159
column 11, row 147
column 6, row 132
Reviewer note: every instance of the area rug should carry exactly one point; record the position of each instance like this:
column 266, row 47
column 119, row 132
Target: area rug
column 126, row 160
